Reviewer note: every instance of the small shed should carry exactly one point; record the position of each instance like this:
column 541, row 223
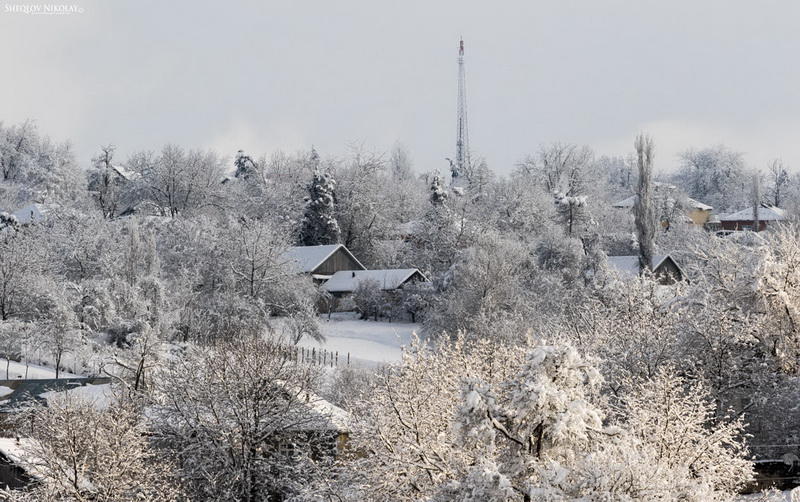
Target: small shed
column 321, row 262
column 665, row 269
column 346, row 281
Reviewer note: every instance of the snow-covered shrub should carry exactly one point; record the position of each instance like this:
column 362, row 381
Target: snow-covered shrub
column 84, row 451
column 369, row 299
column 237, row 419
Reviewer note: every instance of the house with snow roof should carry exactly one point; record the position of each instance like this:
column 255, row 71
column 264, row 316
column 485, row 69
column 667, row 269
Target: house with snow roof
column 696, row 212
column 344, row 282
column 321, row 262
column 665, row 269
column 745, row 219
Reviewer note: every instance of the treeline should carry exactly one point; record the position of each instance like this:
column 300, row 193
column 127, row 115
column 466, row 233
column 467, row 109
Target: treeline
column 544, row 374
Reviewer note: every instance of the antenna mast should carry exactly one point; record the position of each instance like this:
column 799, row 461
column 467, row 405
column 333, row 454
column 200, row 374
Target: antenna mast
column 461, row 165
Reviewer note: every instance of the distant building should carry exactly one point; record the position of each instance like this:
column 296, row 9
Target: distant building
column 665, row 269
column 346, row 281
column 745, row 220
column 321, row 262
column 696, row 212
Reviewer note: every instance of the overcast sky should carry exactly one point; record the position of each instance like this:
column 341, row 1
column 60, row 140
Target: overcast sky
column 285, row 75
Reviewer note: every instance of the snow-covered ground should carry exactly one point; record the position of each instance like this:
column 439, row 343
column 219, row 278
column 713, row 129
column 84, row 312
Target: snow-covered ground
column 368, row 342
column 101, row 396
column 755, row 497
column 17, row 370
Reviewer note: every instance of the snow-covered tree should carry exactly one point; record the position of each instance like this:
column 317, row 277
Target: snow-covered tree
column 486, row 292
column 319, row 224
column 571, row 210
column 104, row 182
column 438, row 193
column 643, row 209
column 176, row 181
column 714, row 176
column 245, row 166
column 83, row 450
column 235, row 419
column 778, row 180
column 21, row 260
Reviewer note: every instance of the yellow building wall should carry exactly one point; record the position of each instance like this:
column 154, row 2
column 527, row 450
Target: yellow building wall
column 699, row 216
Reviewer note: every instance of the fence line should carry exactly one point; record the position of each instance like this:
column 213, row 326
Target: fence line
column 322, row 357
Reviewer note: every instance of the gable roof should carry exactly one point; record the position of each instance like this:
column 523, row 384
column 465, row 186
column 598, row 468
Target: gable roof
column 346, row 281
column 629, row 265
column 125, row 173
column 765, row 213
column 308, row 258
column 324, row 415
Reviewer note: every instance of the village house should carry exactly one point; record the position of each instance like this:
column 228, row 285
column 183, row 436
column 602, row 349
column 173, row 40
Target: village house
column 343, row 283
column 665, row 269
column 745, row 219
column 695, row 212
column 321, row 262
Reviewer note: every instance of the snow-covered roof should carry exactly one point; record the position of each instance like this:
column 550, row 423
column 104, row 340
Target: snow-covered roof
column 699, row 205
column 630, row 201
column 18, row 452
column 625, row 203
column 125, row 172
column 346, row 281
column 326, row 416
column 31, row 213
column 765, row 213
column 308, row 258
column 629, row 265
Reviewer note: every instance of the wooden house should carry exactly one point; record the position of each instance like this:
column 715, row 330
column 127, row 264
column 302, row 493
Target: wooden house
column 321, row 262
column 665, row 269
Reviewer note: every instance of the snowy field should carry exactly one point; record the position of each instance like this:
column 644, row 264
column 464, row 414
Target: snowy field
column 368, row 342
column 17, row 370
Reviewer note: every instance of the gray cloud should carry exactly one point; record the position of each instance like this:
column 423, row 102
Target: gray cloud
column 269, row 75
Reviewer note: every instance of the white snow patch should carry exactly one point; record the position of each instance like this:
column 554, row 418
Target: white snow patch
column 100, row 396
column 367, row 342
column 34, row 372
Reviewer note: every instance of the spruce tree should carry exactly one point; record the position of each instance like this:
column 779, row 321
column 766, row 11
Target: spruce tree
column 319, row 221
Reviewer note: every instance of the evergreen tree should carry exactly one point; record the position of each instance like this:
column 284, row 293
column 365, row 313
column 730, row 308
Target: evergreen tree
column 438, row 193
column 319, row 222
column 245, row 165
